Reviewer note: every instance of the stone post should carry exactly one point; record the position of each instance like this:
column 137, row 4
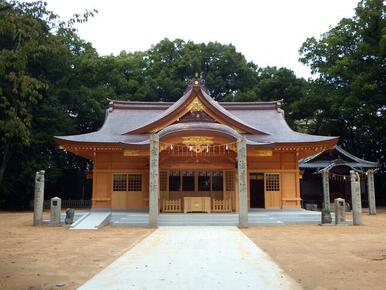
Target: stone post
column 371, row 191
column 326, row 212
column 340, row 211
column 70, row 213
column 242, row 180
column 356, row 202
column 38, row 198
column 154, row 181
column 56, row 206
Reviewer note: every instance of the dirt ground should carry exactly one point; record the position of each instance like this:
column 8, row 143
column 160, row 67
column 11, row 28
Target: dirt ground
column 42, row 257
column 317, row 257
column 351, row 257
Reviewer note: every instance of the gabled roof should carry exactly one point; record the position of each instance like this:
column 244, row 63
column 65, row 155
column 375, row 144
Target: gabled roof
column 131, row 122
column 336, row 156
column 195, row 98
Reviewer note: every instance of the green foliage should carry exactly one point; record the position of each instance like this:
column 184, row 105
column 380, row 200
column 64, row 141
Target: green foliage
column 35, row 73
column 54, row 83
column 350, row 61
column 161, row 72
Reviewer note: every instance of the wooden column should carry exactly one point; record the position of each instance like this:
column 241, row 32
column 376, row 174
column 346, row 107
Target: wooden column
column 242, row 182
column 371, row 191
column 326, row 211
column 154, row 181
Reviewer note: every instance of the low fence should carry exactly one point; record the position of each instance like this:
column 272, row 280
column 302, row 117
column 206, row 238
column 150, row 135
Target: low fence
column 70, row 203
column 171, row 205
column 221, row 205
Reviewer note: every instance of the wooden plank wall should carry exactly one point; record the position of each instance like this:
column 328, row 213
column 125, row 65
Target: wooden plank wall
column 105, row 164
column 286, row 164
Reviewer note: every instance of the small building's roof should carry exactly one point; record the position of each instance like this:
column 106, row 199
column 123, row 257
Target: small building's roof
column 131, row 122
column 336, row 156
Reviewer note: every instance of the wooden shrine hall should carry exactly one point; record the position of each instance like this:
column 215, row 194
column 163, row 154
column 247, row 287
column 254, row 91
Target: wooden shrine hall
column 195, row 155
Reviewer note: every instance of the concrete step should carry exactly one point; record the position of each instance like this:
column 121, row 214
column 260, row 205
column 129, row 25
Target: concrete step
column 131, row 219
column 198, row 219
column 92, row 221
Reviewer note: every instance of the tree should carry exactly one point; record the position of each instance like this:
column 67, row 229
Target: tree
column 161, row 72
column 23, row 39
column 351, row 59
column 36, row 57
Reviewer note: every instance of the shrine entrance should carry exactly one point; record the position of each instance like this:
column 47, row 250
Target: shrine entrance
column 197, row 172
column 197, row 191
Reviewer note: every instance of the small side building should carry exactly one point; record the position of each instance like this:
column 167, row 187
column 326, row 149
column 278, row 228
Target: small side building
column 338, row 163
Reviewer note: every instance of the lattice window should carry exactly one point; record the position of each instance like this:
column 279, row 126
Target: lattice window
column 272, row 182
column 163, row 181
column 134, row 182
column 229, row 181
column 119, row 182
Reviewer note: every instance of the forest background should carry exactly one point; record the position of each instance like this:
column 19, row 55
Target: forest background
column 54, row 83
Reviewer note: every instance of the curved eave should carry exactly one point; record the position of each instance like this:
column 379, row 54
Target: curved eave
column 199, row 128
column 362, row 163
column 356, row 159
column 179, row 108
column 222, row 112
column 333, row 165
column 173, row 110
column 62, row 141
column 331, row 141
column 319, row 165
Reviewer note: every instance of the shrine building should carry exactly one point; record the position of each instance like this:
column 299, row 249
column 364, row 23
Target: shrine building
column 195, row 155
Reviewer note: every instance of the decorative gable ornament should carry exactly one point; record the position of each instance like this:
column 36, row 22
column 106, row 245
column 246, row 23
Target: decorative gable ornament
column 196, row 105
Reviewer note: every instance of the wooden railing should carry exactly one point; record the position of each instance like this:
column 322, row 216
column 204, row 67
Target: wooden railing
column 169, row 205
column 221, row 205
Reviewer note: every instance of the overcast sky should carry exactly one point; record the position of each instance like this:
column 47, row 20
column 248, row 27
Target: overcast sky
column 267, row 32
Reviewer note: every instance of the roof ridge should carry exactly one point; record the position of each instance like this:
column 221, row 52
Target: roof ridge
column 197, row 90
column 353, row 157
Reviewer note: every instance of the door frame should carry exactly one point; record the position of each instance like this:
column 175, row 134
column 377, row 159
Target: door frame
column 249, row 188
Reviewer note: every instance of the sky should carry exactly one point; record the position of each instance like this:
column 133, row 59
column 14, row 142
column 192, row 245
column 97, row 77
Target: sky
column 267, row 32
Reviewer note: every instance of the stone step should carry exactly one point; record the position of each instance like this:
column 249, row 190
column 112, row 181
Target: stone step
column 125, row 224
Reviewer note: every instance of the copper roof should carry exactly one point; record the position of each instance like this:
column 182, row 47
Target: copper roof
column 262, row 122
column 336, row 156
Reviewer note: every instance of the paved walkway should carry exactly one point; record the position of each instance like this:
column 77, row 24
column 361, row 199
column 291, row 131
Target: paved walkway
column 193, row 258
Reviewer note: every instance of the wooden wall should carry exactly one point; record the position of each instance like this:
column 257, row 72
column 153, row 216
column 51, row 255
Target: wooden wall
column 105, row 164
column 286, row 165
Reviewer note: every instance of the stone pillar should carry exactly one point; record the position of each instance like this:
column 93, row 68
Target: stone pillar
column 56, row 206
column 38, row 198
column 340, row 211
column 154, row 181
column 371, row 191
column 326, row 212
column 356, row 202
column 242, row 182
